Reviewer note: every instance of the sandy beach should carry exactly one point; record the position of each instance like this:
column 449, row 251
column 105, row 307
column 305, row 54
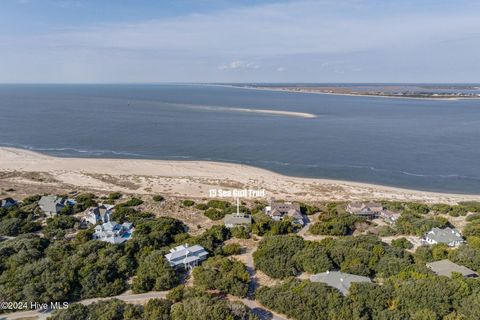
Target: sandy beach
column 28, row 172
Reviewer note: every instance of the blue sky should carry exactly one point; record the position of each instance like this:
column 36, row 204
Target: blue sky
column 88, row 41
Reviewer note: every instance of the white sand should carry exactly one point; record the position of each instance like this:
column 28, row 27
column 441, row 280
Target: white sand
column 188, row 179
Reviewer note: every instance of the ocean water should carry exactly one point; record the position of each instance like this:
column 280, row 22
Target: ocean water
column 421, row 144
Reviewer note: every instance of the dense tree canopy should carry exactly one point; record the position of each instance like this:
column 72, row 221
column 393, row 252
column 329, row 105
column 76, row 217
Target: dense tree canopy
column 223, row 274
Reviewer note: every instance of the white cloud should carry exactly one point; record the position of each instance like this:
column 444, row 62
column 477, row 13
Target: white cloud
column 239, row 65
column 312, row 38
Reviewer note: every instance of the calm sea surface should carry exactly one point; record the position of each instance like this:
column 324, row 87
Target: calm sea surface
column 420, row 144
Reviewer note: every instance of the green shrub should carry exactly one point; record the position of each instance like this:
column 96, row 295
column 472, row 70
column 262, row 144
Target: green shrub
column 114, row 195
column 402, row 243
column 232, row 249
column 158, row 198
column 218, row 204
column 335, row 224
column 133, row 202
column 188, row 203
column 214, row 214
column 240, row 232
column 223, row 274
column 201, row 206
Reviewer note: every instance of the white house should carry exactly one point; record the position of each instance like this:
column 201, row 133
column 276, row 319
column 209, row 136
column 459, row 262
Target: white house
column 113, row 232
column 449, row 236
column 186, row 256
column 100, row 214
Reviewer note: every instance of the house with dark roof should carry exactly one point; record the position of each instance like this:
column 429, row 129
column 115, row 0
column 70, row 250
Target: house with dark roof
column 113, row 232
column 52, row 205
column 278, row 210
column 447, row 267
column 448, row 236
column 7, row 203
column 339, row 280
column 185, row 256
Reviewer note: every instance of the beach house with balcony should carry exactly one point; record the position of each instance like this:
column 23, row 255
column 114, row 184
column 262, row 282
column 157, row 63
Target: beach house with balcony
column 278, row 210
column 370, row 210
column 113, row 232
column 185, row 256
column 100, row 214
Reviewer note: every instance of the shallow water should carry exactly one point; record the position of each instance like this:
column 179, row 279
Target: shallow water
column 421, row 144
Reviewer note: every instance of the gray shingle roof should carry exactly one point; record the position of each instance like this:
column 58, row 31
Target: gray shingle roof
column 339, row 280
column 51, row 204
column 446, row 235
column 446, row 267
column 238, row 219
column 185, row 254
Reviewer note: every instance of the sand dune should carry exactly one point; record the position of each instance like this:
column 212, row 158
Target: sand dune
column 186, row 179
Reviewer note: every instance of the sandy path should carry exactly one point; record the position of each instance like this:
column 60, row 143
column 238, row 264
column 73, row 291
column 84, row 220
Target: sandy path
column 189, row 179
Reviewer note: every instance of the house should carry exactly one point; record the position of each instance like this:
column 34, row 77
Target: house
column 113, row 232
column 52, row 205
column 186, row 256
column 447, row 267
column 296, row 216
column 389, row 216
column 369, row 210
column 449, row 236
column 7, row 203
column 339, row 280
column 100, row 214
column 278, row 210
column 237, row 219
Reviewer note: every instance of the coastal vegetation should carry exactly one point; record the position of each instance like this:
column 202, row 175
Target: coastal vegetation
column 50, row 259
column 223, row 274
column 428, row 297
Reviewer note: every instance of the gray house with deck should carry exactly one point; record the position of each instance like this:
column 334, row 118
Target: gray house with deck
column 185, row 256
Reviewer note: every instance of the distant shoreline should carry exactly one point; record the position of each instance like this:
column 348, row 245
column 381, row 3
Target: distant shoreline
column 20, row 168
column 307, row 91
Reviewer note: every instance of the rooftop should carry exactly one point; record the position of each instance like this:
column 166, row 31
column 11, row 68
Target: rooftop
column 339, row 280
column 446, row 235
column 446, row 267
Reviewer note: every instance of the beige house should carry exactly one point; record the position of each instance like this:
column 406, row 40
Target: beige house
column 369, row 210
column 278, row 210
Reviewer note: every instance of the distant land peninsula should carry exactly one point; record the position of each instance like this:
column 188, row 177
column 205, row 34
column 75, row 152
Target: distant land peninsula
column 427, row 91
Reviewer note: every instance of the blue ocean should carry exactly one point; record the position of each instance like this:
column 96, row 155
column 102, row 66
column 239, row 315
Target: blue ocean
column 421, row 144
